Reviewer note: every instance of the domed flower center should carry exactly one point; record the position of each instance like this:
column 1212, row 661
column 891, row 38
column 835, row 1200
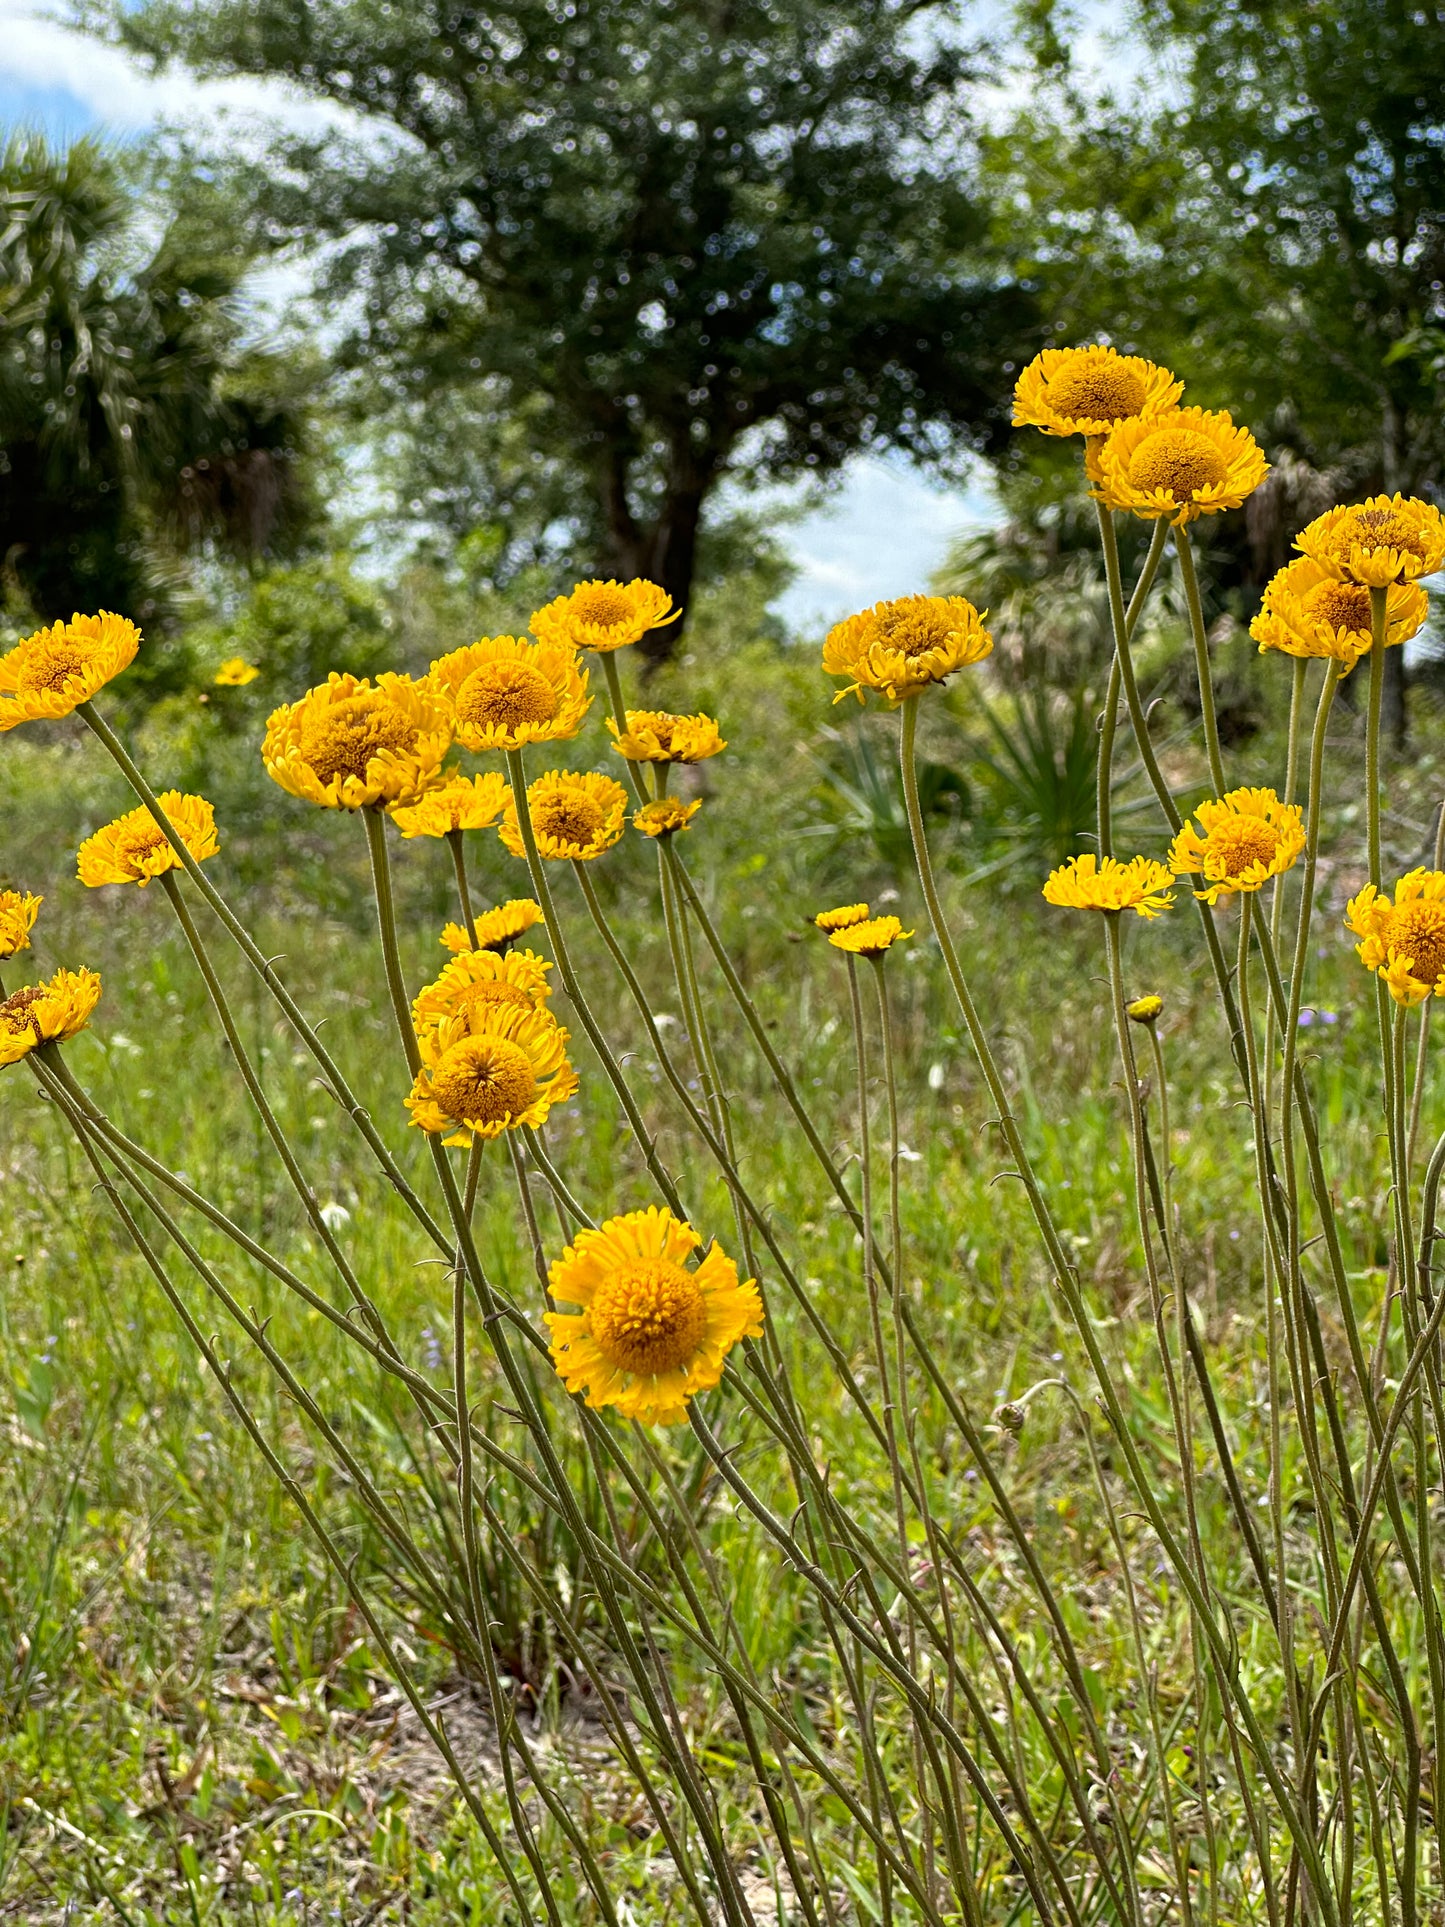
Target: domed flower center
column 1342, row 605
column 1180, row 460
column 648, row 1317
column 1383, row 529
column 1242, row 842
column 475, row 996
column 484, row 1080
column 600, row 603
column 1097, row 391
column 503, row 695
column 659, row 724
column 48, row 665
column 133, row 845
column 913, row 632
column 340, row 739
column 569, row 816
column 1417, row 931
column 15, row 1011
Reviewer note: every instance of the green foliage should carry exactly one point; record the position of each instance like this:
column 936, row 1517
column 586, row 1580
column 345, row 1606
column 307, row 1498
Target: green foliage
column 670, row 245
column 298, row 624
column 134, row 422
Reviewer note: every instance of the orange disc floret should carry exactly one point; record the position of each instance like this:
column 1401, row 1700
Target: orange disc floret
column 478, row 982
column 349, row 744
column 657, row 736
column 870, row 937
column 46, row 1013
column 134, row 848
column 17, row 919
column 1403, row 939
column 505, row 691
column 457, row 803
column 496, row 929
column 902, row 646
column 604, row 615
column 1306, row 611
column 665, row 817
column 1179, row 464
column 1389, row 538
column 1089, row 391
column 1240, row 842
column 477, row 1080
column 49, row 674
column 1084, row 883
column 576, row 816
column 651, row 1329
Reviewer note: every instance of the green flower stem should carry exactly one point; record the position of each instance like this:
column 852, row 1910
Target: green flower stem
column 1379, row 599
column 556, row 1183
column 1110, row 544
column 464, row 895
column 375, row 823
column 1422, row 1048
column 258, row 1096
column 1184, row 549
column 613, row 679
column 1300, row 667
column 1123, row 622
column 517, row 773
column 340, row 1089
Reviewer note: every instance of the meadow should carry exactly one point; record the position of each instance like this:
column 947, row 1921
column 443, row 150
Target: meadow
column 198, row 1726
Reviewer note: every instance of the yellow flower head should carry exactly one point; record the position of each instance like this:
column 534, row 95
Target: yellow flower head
column 1179, row 464
column 1403, row 941
column 457, row 803
column 665, row 817
column 1144, row 1010
column 1306, row 611
column 575, row 816
column 901, row 646
column 1089, row 391
column 350, row 743
column 1243, row 840
column 651, row 1330
column 17, row 919
column 871, row 938
column 134, row 848
column 46, row 1012
column 1083, row 883
column 497, row 929
column 478, row 984
column 1390, row 538
column 49, row 673
column 479, row 1082
column 234, row 673
column 840, row 919
column 604, row 615
column 505, row 691
column 655, row 736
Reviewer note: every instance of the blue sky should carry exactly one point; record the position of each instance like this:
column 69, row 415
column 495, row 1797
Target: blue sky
column 880, row 534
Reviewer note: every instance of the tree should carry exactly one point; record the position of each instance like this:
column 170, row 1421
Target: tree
column 1276, row 231
column 685, row 238
column 133, row 420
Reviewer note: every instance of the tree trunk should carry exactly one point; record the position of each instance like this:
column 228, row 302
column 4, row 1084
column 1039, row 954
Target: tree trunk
column 663, row 551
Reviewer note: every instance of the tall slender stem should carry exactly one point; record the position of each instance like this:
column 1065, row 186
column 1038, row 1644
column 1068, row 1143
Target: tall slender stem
column 459, row 866
column 386, row 922
column 1184, row 549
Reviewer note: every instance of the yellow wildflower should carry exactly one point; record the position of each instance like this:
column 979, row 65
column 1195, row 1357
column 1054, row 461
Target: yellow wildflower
column 1144, row 1010
column 902, row 646
column 496, row 929
column 134, row 848
column 1089, row 391
column 1083, row 883
column 480, row 981
column 50, row 673
column 457, row 803
column 17, row 919
column 505, row 691
column 870, row 938
column 234, row 673
column 1180, row 463
column 651, row 1330
column 348, row 743
column 1403, row 941
column 665, row 817
column 47, row 1012
column 479, row 1082
column 575, row 816
column 1243, row 840
column 1389, row 538
column 604, row 615
column 1306, row 611
column 656, row 736
column 840, row 919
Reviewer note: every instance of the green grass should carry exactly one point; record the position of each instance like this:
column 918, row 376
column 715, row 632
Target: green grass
column 195, row 1726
